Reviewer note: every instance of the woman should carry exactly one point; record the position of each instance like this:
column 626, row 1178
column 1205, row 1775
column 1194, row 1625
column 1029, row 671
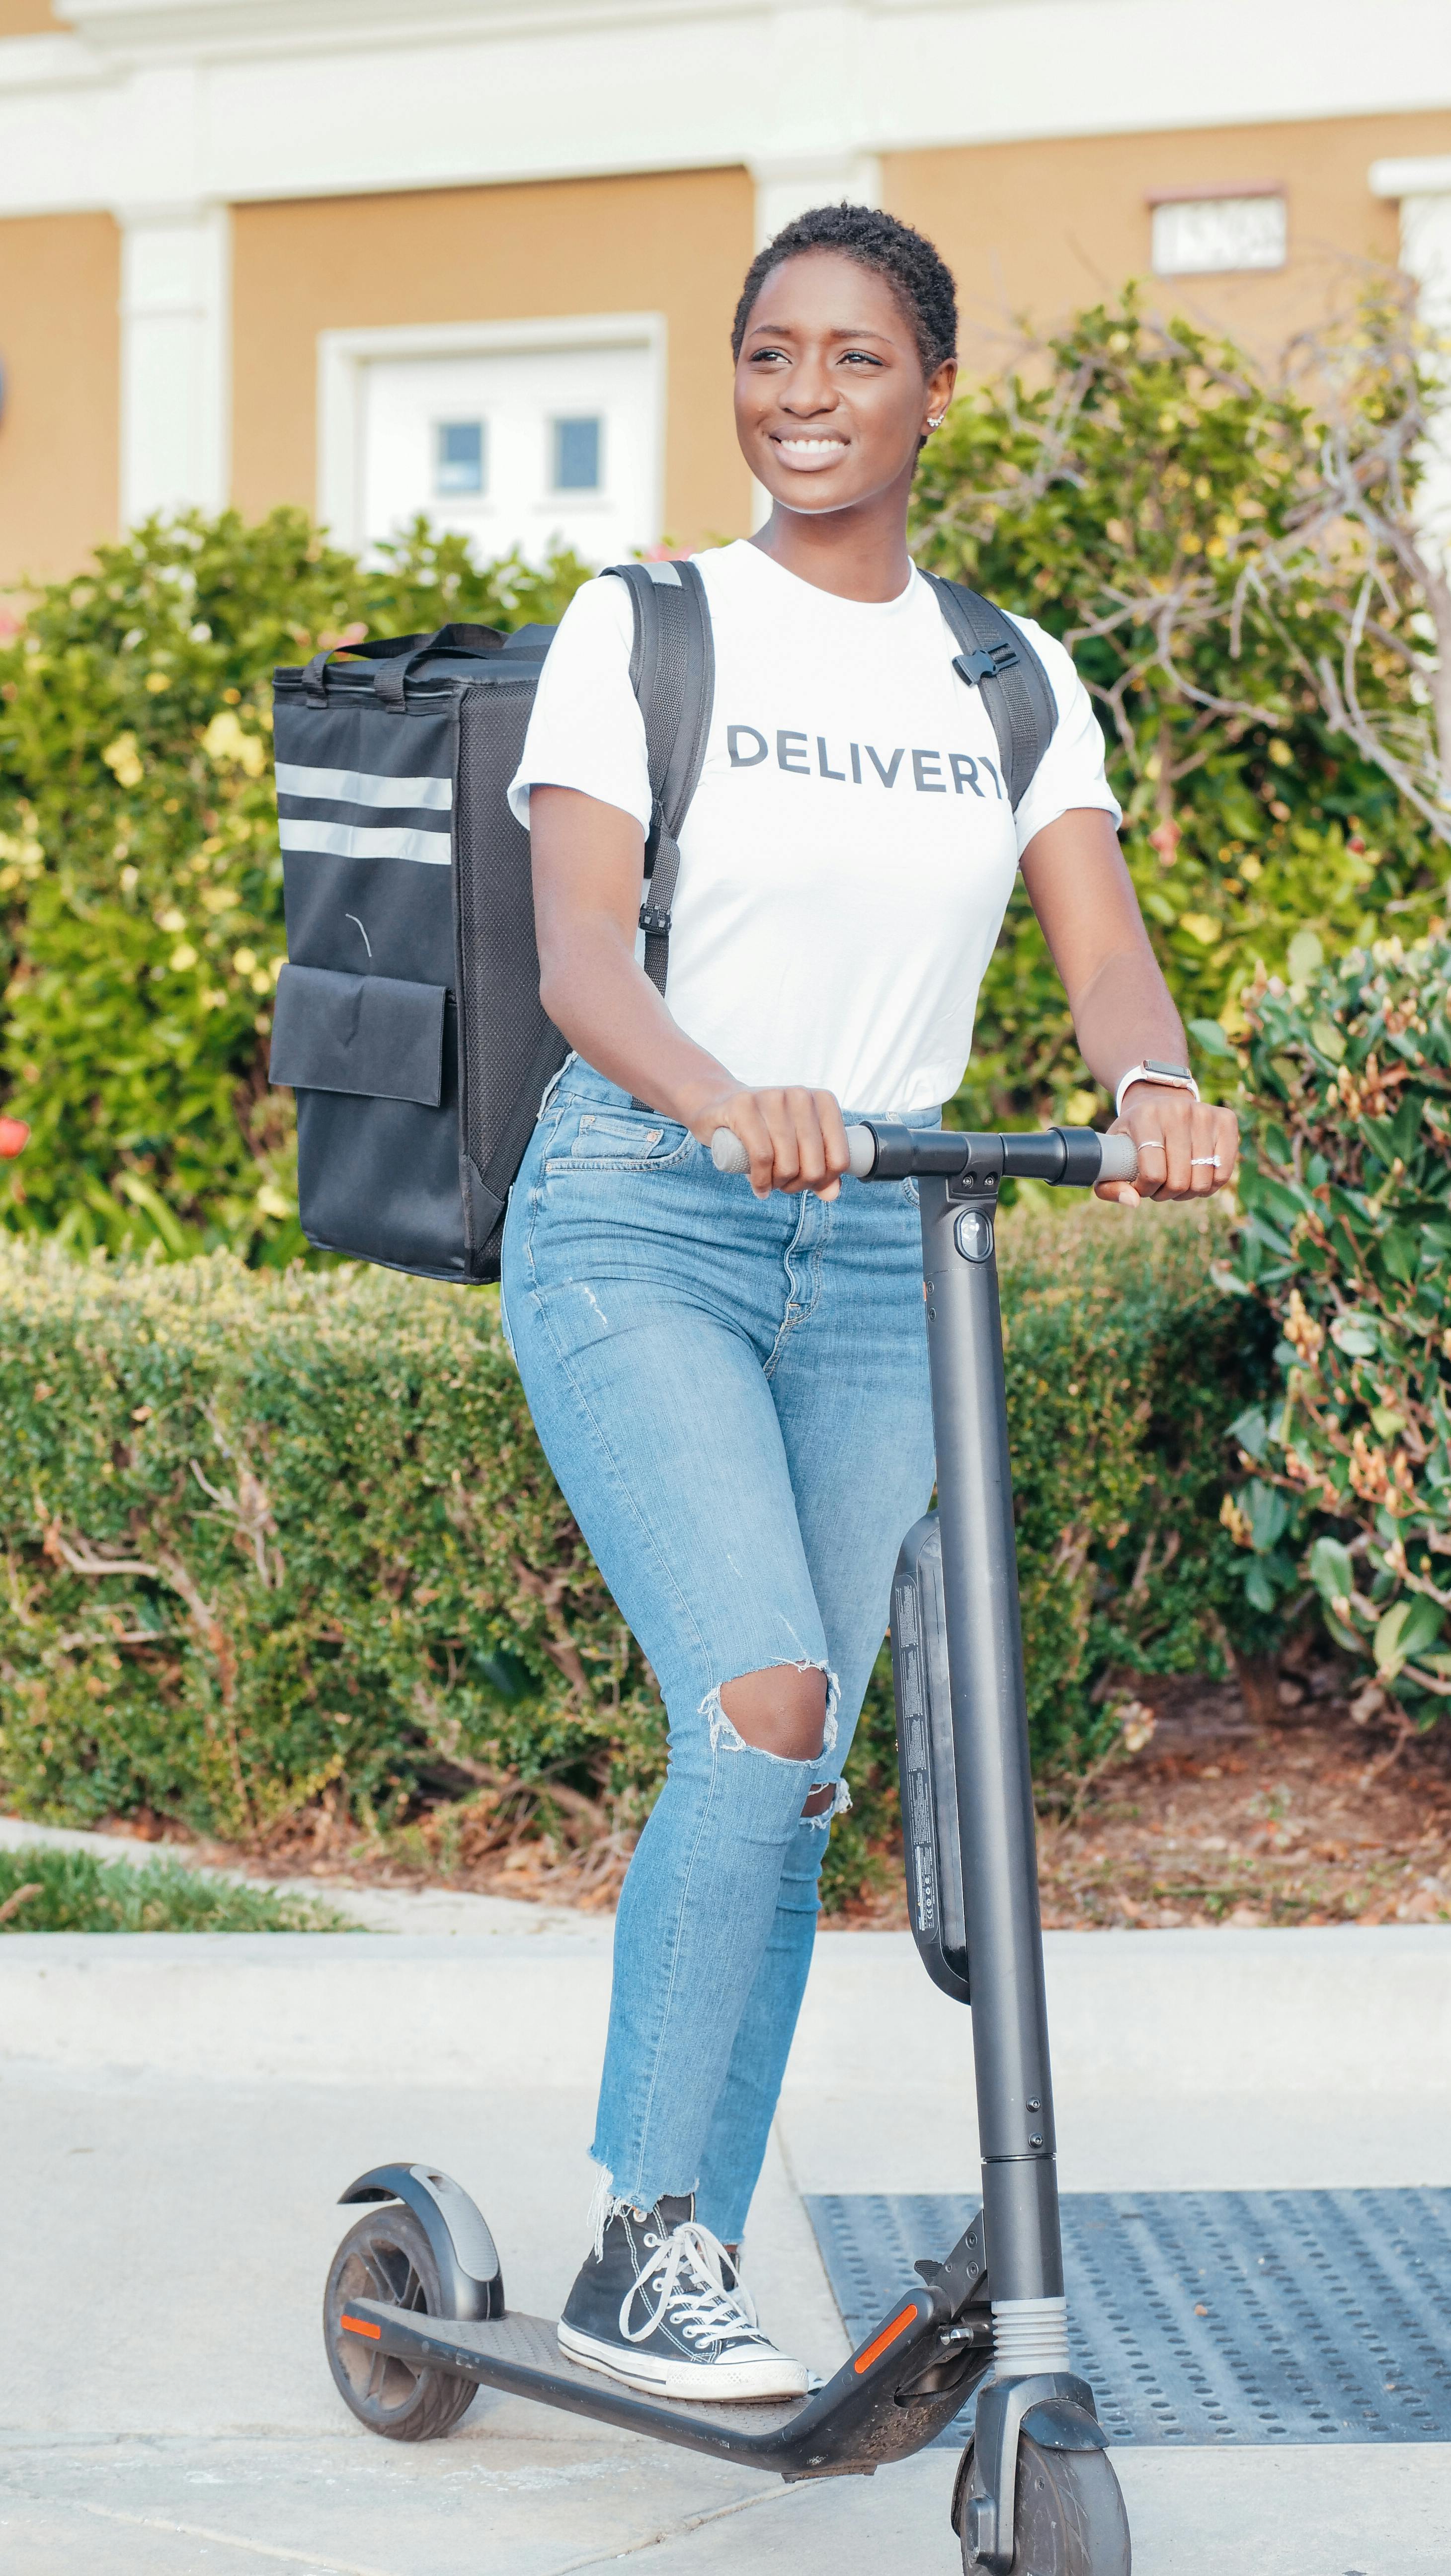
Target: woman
column 730, row 1378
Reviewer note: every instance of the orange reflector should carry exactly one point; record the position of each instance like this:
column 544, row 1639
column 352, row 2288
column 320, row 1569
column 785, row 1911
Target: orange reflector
column 360, row 2325
column 875, row 2350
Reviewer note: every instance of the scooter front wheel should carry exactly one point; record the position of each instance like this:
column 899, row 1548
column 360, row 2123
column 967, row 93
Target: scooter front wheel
column 387, row 2257
column 1068, row 2514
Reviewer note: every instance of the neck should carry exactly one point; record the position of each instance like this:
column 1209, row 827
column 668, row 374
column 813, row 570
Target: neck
column 857, row 553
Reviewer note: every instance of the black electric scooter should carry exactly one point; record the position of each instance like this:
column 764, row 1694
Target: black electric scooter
column 414, row 2314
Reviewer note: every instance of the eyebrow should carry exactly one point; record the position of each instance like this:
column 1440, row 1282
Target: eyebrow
column 791, row 331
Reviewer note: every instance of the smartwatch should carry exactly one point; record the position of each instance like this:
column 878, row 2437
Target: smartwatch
column 1173, row 1077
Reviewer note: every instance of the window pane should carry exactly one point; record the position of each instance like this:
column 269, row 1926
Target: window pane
column 1195, row 236
column 577, row 455
column 459, row 456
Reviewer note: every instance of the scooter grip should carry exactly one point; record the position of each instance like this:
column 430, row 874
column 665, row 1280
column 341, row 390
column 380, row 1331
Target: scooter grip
column 1120, row 1159
column 729, row 1155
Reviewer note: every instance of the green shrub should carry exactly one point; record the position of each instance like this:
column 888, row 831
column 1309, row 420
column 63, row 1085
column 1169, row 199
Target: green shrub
column 1218, row 551
column 1346, row 1242
column 43, row 1889
column 140, row 879
column 278, row 1538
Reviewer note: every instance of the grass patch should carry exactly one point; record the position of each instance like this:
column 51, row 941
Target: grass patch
column 45, row 1888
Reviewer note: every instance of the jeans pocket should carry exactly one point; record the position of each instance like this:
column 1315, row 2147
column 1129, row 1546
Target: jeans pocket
column 616, row 1140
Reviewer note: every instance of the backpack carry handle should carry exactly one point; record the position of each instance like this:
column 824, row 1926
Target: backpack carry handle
column 397, row 654
column 391, row 682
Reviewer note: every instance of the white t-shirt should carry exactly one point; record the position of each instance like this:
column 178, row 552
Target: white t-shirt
column 849, row 851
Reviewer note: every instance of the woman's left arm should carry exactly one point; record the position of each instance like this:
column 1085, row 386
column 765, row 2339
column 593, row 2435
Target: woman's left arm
column 1083, row 896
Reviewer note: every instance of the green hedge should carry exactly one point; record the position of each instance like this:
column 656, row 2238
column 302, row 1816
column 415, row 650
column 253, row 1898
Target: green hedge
column 140, row 879
column 1346, row 1245
column 276, row 1538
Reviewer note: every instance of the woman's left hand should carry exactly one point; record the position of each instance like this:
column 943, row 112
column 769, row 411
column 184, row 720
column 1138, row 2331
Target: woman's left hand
column 1187, row 1148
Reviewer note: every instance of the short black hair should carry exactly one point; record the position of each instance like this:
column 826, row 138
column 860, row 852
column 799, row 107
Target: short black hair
column 912, row 266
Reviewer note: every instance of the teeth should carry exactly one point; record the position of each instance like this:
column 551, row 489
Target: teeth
column 809, row 446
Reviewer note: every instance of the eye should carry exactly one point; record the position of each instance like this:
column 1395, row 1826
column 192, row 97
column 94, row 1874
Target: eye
column 859, row 358
column 766, row 356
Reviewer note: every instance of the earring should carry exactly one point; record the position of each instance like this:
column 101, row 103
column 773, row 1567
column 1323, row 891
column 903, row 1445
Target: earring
column 937, row 423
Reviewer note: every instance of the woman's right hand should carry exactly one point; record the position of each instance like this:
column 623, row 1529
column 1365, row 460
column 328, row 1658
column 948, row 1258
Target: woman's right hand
column 796, row 1139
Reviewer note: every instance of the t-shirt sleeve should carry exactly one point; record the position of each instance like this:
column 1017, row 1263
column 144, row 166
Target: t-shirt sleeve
column 1071, row 771
column 586, row 730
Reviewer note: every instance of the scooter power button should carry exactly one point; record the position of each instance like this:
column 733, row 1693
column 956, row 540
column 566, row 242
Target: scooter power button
column 974, row 1232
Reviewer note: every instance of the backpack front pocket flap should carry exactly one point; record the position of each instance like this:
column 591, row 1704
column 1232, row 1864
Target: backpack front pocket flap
column 359, row 1033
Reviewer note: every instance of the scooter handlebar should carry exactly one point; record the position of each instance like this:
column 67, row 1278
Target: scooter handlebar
column 729, row 1155
column 1068, row 1150
column 1120, row 1159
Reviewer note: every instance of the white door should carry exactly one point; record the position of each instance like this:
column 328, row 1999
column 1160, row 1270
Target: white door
column 533, row 447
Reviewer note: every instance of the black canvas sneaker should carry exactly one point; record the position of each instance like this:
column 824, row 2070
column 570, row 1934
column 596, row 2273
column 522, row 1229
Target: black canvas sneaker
column 658, row 2304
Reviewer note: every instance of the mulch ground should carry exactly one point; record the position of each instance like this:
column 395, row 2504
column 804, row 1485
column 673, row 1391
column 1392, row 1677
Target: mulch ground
column 1305, row 1817
column 1295, row 1814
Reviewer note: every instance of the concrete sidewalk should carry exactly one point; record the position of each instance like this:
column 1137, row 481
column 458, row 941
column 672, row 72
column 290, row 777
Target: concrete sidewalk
column 178, row 2115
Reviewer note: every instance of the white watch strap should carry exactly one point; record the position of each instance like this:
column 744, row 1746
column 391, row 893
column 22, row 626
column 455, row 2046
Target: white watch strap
column 1165, row 1082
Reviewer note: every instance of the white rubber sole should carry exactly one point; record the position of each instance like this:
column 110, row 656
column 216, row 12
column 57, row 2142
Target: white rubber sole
column 726, row 2381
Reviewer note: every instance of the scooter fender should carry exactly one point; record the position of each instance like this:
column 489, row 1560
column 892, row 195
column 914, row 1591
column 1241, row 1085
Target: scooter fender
column 1052, row 2407
column 1059, row 2424
column 463, row 2249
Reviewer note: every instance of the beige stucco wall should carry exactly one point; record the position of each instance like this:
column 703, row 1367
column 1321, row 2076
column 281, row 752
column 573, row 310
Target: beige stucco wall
column 60, row 348
column 1046, row 228
column 677, row 244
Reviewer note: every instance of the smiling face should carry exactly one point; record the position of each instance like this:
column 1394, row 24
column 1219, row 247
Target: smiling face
column 832, row 401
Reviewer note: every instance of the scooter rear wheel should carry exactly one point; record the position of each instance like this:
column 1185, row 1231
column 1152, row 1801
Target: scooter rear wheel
column 387, row 2257
column 1068, row 2517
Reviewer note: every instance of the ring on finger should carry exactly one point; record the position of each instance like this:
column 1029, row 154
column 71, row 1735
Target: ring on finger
column 1211, row 1159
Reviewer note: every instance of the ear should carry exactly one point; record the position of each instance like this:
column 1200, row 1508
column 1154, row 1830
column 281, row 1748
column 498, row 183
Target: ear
column 939, row 390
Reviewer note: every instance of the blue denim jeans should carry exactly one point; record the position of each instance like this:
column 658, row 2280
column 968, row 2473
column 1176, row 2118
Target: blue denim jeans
column 733, row 1396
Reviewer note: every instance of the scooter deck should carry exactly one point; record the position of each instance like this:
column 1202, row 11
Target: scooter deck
column 854, row 2423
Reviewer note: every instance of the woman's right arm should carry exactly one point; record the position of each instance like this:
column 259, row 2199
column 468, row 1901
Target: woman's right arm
column 588, row 861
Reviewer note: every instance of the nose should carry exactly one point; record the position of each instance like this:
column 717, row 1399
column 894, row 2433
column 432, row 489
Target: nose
column 810, row 391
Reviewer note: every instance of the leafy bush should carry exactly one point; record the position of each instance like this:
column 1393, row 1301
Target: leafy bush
column 1230, row 561
column 276, row 1540
column 1346, row 1241
column 140, row 879
column 43, row 1889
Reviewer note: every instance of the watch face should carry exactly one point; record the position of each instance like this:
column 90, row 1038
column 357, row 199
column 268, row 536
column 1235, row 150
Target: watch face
column 1152, row 1064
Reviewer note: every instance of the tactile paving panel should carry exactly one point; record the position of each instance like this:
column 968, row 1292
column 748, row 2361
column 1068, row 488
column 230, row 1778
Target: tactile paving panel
column 1212, row 2316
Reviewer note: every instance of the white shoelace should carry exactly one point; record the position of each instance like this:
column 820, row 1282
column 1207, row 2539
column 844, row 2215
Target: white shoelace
column 686, row 2270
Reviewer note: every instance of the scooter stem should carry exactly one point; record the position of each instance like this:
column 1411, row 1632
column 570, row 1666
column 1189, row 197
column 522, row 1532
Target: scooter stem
column 990, row 1732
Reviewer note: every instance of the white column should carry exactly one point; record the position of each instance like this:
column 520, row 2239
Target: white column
column 785, row 187
column 175, row 358
column 1423, row 188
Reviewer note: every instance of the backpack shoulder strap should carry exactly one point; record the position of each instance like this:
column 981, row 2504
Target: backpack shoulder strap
column 998, row 659
column 672, row 672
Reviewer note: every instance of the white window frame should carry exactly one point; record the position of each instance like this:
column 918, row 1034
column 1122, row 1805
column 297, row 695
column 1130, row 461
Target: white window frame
column 343, row 355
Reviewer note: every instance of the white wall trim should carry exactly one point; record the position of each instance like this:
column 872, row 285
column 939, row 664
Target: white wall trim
column 342, row 356
column 1423, row 187
column 786, row 186
column 256, row 100
column 1424, row 178
column 176, row 343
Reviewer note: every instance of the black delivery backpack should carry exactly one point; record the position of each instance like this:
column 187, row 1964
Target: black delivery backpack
column 408, row 1016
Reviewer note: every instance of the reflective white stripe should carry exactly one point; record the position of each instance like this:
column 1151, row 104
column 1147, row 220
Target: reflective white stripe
column 356, row 841
column 360, row 787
